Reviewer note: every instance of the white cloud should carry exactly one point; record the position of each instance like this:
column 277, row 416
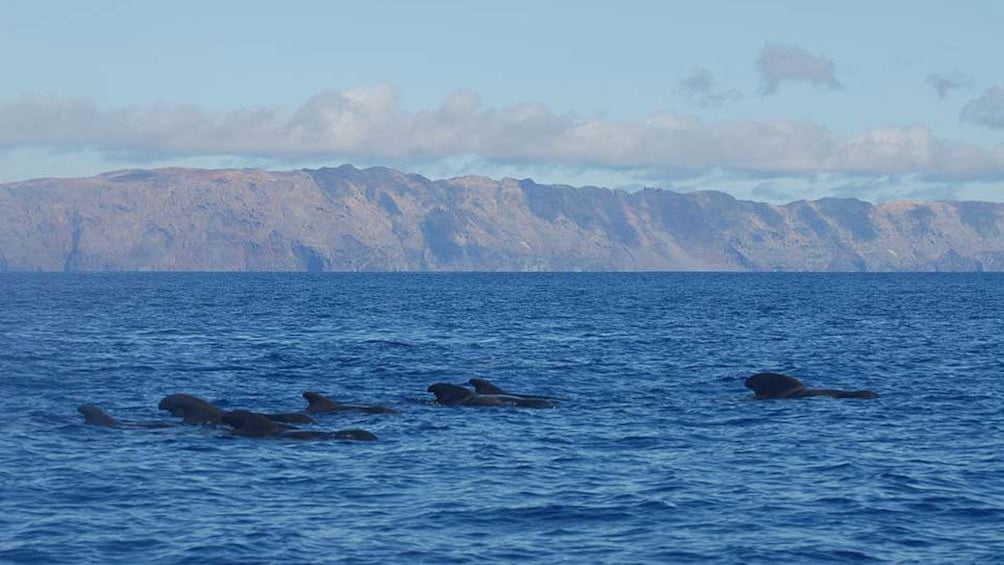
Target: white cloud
column 790, row 63
column 987, row 110
column 368, row 124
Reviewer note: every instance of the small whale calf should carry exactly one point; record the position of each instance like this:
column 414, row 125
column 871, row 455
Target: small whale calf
column 455, row 395
column 319, row 404
column 775, row 385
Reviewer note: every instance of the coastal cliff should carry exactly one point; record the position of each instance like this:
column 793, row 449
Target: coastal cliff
column 378, row 219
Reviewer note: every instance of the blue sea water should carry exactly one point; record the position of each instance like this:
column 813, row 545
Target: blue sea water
column 656, row 453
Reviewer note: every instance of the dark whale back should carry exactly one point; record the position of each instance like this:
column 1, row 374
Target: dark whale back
column 774, row 385
column 252, row 424
column 290, row 418
column 450, row 394
column 191, row 409
column 318, row 404
column 486, row 387
column 95, row 416
column 455, row 395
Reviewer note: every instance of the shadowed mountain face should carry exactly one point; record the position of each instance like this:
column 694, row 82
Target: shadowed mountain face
column 347, row 219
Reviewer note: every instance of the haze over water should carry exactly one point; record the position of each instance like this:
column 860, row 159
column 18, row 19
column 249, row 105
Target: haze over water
column 656, row 453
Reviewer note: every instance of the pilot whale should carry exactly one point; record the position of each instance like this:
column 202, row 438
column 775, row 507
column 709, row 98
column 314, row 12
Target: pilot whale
column 191, row 409
column 319, row 404
column 455, row 395
column 254, row 424
column 95, row 416
column 484, row 386
column 775, row 385
column 194, row 410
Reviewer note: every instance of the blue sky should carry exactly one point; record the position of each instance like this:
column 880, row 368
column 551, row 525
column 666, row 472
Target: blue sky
column 771, row 101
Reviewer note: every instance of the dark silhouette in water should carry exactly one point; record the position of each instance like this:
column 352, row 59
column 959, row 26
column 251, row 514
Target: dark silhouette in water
column 455, row 395
column 484, row 386
column 194, row 410
column 290, row 418
column 253, row 424
column 775, row 385
column 95, row 416
column 320, row 404
column 191, row 409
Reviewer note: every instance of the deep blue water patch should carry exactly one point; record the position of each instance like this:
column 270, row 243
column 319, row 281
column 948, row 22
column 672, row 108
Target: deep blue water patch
column 656, row 453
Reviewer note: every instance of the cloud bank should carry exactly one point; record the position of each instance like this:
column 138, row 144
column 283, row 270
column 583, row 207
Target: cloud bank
column 369, row 123
column 790, row 63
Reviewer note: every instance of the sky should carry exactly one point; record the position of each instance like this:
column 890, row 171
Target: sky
column 768, row 101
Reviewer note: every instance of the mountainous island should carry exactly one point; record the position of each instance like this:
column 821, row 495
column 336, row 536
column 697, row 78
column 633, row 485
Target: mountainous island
column 379, row 219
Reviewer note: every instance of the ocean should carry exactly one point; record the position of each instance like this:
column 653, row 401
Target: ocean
column 656, row 452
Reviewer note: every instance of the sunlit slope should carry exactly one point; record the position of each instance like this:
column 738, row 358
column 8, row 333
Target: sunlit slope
column 346, row 219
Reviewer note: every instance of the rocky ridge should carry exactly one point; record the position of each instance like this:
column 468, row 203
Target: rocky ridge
column 379, row 219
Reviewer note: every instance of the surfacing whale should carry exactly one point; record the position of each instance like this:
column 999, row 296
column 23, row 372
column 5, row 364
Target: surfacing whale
column 484, row 386
column 253, row 424
column 455, row 395
column 191, row 409
column 290, row 418
column 775, row 385
column 95, row 416
column 194, row 410
column 319, row 404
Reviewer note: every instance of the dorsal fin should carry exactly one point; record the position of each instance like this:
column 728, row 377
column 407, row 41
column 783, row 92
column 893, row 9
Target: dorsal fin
column 317, row 402
column 484, row 386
